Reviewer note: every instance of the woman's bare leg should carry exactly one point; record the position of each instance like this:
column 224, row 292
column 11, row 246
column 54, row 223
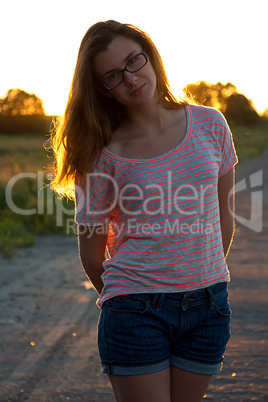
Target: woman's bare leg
column 187, row 386
column 169, row 385
column 142, row 388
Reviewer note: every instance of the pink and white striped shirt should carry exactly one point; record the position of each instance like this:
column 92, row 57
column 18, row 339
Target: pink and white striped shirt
column 162, row 213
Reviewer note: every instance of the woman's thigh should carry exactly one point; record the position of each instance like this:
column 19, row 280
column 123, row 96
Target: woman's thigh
column 186, row 386
column 142, row 388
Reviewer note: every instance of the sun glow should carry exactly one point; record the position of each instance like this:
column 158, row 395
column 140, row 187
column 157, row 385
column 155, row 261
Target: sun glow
column 209, row 41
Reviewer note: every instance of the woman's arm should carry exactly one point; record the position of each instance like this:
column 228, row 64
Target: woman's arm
column 92, row 243
column 227, row 207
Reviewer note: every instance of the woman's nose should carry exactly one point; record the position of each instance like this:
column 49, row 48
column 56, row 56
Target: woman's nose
column 130, row 78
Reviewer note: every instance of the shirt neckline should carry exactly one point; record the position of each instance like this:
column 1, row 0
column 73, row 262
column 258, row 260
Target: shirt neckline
column 171, row 151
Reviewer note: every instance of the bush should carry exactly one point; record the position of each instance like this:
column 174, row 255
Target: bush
column 18, row 230
column 13, row 233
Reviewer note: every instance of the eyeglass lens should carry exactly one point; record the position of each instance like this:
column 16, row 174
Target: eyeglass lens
column 133, row 65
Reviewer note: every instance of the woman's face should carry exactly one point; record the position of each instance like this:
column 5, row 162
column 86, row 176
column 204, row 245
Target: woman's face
column 137, row 89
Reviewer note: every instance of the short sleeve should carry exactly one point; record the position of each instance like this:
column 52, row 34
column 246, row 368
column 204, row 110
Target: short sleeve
column 228, row 153
column 95, row 197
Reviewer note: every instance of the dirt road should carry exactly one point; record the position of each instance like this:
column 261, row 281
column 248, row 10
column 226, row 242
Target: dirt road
column 48, row 319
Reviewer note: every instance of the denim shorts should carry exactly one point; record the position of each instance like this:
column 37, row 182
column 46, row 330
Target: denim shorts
column 144, row 333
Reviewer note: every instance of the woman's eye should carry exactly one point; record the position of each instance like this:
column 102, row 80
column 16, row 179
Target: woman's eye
column 112, row 76
column 132, row 61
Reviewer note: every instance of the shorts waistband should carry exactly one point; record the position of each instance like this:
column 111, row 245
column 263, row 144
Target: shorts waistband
column 208, row 294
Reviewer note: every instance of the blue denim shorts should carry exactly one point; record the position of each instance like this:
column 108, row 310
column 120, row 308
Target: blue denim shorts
column 145, row 333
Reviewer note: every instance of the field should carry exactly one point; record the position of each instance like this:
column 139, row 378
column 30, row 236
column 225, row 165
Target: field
column 27, row 205
column 24, row 179
column 250, row 142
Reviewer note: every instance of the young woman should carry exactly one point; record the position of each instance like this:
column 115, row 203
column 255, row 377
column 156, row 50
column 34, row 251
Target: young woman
column 154, row 179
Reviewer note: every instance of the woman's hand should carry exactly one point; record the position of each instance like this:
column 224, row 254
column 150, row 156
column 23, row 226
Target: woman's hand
column 92, row 244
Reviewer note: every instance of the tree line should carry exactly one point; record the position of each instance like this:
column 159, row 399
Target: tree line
column 21, row 112
column 236, row 107
column 24, row 112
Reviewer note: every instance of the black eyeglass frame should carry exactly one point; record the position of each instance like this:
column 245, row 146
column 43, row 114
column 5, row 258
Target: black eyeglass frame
column 125, row 69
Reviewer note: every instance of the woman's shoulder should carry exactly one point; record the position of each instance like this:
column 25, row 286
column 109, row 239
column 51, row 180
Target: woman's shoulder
column 201, row 114
column 201, row 110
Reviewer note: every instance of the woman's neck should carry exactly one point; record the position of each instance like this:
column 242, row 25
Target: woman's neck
column 149, row 118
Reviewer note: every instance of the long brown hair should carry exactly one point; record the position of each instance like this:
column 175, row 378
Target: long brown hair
column 90, row 117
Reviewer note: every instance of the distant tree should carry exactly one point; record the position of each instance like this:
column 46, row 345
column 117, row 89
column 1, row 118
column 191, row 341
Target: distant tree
column 18, row 103
column 240, row 110
column 225, row 98
column 208, row 94
column 265, row 112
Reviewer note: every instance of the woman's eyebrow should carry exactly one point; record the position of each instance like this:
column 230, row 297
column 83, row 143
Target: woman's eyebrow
column 125, row 59
column 130, row 54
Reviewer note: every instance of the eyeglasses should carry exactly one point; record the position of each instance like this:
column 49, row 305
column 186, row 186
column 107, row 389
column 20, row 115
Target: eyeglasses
column 132, row 66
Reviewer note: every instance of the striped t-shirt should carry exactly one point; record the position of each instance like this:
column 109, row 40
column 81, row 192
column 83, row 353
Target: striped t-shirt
column 162, row 213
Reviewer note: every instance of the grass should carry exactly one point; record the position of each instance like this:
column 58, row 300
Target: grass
column 20, row 154
column 250, row 142
column 27, row 205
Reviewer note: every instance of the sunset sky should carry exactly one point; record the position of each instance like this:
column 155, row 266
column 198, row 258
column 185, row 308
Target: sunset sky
column 207, row 40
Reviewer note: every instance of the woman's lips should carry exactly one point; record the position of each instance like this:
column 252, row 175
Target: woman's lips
column 138, row 90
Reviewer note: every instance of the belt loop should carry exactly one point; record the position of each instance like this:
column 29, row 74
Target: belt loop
column 155, row 300
column 211, row 297
column 160, row 301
